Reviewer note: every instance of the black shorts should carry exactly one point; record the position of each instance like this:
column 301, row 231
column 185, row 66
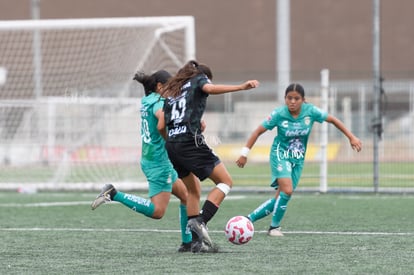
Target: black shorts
column 188, row 157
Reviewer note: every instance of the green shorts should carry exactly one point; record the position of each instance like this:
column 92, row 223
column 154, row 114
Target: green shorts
column 160, row 176
column 285, row 169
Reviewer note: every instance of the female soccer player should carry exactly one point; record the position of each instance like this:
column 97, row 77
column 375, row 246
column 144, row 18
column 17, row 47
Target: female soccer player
column 186, row 95
column 294, row 123
column 162, row 178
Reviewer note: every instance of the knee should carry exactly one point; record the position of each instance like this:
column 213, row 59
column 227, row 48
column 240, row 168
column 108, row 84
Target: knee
column 285, row 195
column 288, row 190
column 230, row 184
column 183, row 197
column 158, row 214
column 226, row 181
column 224, row 187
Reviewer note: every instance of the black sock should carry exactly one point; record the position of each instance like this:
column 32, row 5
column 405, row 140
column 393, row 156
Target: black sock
column 113, row 193
column 208, row 211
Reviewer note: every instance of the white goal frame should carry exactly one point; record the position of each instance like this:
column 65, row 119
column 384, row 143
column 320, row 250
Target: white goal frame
column 44, row 110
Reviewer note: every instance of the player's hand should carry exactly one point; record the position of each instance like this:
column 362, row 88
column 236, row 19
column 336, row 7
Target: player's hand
column 241, row 161
column 203, row 125
column 356, row 144
column 250, row 84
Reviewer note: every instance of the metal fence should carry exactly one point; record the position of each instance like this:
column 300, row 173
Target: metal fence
column 350, row 101
column 72, row 143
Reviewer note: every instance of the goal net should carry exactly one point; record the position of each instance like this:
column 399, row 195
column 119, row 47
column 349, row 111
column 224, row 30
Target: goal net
column 69, row 109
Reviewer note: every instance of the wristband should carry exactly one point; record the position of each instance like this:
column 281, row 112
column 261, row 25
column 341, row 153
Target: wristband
column 244, row 152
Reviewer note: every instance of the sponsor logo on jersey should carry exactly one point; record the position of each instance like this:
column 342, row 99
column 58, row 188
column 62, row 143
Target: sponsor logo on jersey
column 295, row 151
column 186, row 85
column 297, row 132
column 177, row 131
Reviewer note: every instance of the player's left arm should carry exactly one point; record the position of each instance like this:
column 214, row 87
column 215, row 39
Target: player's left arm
column 210, row 88
column 203, row 125
column 161, row 123
column 355, row 142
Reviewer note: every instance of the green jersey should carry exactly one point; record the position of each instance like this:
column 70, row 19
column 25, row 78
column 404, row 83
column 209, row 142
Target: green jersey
column 292, row 133
column 153, row 144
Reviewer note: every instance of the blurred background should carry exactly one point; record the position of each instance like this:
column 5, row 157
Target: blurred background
column 69, row 110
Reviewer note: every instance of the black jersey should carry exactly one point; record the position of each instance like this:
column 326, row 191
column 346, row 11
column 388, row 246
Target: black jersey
column 183, row 113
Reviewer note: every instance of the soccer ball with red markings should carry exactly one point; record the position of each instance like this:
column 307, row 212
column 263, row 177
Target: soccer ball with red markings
column 239, row 230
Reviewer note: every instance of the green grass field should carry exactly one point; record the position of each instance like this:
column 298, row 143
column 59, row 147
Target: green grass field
column 340, row 175
column 57, row 233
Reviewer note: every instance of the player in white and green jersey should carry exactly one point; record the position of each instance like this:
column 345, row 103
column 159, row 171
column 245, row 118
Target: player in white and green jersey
column 294, row 123
column 162, row 178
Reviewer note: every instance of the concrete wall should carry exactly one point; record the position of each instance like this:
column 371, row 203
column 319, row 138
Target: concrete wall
column 237, row 38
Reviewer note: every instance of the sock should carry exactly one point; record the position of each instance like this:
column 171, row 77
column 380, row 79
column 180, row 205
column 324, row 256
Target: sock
column 263, row 210
column 185, row 232
column 208, row 211
column 138, row 204
column 279, row 209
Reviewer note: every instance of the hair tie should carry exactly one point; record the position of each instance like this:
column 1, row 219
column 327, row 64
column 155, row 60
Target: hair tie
column 194, row 63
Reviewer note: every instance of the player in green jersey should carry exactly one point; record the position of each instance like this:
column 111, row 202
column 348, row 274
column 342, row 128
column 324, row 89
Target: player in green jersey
column 294, row 123
column 162, row 178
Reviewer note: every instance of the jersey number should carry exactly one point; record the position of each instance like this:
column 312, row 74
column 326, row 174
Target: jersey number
column 178, row 110
column 145, row 132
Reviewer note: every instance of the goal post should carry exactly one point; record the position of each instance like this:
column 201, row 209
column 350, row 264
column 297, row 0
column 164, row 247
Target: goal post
column 323, row 184
column 69, row 109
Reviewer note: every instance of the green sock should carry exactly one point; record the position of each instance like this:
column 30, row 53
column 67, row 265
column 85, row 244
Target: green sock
column 280, row 209
column 138, row 204
column 185, row 232
column 263, row 210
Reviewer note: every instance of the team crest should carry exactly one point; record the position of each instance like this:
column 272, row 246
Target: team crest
column 307, row 120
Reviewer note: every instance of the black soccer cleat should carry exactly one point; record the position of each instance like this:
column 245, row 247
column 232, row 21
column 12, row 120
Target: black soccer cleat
column 185, row 247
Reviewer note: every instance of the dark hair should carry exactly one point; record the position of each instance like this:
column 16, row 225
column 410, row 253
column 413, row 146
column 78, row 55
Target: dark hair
column 150, row 81
column 295, row 87
column 161, row 76
column 203, row 68
column 189, row 70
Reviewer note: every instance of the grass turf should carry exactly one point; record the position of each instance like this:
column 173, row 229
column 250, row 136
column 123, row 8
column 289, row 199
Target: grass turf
column 57, row 233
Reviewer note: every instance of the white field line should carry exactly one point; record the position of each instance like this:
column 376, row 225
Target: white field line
column 72, row 203
column 45, row 204
column 143, row 230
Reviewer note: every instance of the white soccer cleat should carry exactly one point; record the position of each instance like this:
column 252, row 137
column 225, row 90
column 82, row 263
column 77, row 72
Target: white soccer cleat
column 275, row 232
column 104, row 196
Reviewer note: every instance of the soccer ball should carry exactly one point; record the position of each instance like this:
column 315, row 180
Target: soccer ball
column 239, row 230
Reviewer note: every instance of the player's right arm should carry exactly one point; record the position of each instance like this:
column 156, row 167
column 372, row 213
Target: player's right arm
column 242, row 160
